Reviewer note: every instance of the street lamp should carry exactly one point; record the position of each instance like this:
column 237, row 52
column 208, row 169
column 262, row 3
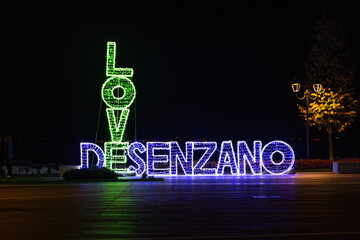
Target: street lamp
column 307, row 96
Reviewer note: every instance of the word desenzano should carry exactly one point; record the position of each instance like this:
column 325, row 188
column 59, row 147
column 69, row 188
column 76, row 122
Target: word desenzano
column 168, row 158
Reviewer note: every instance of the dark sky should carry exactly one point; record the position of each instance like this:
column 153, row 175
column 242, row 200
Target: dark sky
column 202, row 69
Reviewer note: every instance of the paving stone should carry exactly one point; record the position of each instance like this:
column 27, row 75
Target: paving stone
column 310, row 206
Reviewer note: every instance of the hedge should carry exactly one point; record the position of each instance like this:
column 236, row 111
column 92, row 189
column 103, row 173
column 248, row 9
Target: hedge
column 90, row 173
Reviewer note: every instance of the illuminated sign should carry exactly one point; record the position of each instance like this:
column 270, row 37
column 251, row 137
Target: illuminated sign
column 167, row 158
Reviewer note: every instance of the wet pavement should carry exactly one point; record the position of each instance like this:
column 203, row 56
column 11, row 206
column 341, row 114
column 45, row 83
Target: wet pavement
column 300, row 206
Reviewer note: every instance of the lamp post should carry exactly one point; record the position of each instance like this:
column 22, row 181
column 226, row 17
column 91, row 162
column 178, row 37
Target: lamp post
column 307, row 96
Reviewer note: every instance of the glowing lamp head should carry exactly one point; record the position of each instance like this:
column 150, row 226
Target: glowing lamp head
column 295, row 87
column 317, row 87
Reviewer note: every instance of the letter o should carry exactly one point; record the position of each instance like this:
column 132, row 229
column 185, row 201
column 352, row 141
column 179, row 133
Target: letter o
column 288, row 157
column 110, row 99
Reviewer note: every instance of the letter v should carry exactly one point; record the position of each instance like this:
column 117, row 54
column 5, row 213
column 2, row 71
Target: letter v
column 117, row 125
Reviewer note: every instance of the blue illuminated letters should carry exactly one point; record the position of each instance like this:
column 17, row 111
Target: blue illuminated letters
column 169, row 158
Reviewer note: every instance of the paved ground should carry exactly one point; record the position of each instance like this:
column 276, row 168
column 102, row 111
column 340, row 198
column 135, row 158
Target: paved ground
column 301, row 206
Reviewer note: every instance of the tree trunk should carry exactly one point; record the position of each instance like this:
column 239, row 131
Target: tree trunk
column 331, row 147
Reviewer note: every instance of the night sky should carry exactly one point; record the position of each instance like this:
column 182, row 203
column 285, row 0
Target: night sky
column 215, row 70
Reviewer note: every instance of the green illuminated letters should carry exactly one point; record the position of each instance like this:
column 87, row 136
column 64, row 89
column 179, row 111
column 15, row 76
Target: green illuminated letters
column 117, row 125
column 118, row 108
column 115, row 153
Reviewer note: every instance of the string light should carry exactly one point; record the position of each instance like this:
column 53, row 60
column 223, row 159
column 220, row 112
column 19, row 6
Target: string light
column 109, row 88
column 117, row 126
column 153, row 160
column 111, row 70
column 85, row 148
column 177, row 155
column 245, row 157
column 210, row 148
column 141, row 165
column 117, row 78
column 115, row 158
column 286, row 152
column 165, row 158
column 227, row 159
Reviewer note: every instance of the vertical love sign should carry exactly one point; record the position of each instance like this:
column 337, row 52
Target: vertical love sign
column 168, row 158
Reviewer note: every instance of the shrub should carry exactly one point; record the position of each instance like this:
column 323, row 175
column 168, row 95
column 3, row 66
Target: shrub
column 312, row 164
column 318, row 163
column 90, row 173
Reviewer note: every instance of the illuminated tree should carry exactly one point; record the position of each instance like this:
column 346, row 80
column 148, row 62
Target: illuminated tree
column 331, row 111
column 330, row 65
